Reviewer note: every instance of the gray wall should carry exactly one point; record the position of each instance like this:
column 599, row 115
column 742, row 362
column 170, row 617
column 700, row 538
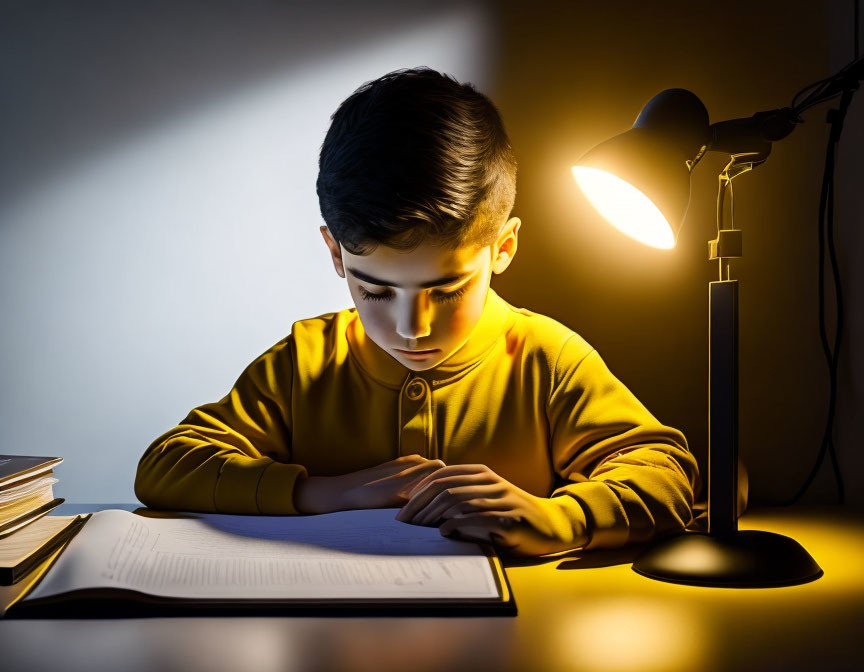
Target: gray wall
column 158, row 215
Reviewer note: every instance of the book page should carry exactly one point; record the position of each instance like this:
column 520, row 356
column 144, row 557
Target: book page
column 17, row 547
column 343, row 555
column 26, row 488
column 9, row 511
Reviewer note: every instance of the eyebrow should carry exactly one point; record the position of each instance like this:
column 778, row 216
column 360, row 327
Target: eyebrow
column 360, row 275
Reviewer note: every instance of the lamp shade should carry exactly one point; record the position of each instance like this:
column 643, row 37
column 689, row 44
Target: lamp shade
column 640, row 180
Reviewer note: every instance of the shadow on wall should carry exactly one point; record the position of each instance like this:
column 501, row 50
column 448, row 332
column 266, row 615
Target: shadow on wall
column 127, row 66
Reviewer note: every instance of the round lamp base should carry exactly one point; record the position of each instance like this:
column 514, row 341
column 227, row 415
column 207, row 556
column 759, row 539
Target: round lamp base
column 745, row 559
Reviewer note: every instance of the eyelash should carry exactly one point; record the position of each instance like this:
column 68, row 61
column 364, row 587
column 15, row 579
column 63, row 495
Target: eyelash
column 444, row 297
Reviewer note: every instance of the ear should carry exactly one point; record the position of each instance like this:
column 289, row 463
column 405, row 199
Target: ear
column 335, row 251
column 505, row 248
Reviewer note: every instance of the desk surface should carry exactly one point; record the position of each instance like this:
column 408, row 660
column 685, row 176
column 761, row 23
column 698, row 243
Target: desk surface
column 588, row 612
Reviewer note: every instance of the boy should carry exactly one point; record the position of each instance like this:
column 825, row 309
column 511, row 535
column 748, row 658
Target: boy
column 433, row 393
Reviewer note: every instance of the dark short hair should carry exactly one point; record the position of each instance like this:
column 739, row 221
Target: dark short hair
column 416, row 156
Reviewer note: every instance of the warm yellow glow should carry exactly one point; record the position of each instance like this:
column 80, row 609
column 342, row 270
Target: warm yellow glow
column 625, row 207
column 624, row 634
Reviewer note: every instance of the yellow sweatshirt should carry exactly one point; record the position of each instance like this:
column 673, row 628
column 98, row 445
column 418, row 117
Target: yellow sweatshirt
column 526, row 396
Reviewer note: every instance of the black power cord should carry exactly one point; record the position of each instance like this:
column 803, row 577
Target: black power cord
column 842, row 84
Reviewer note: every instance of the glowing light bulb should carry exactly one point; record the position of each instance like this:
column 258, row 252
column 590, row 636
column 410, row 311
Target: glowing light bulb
column 625, row 207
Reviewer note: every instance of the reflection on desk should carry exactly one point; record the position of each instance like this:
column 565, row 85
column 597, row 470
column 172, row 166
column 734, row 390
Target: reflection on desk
column 576, row 612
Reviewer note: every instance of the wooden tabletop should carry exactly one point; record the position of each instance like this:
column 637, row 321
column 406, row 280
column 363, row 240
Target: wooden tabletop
column 588, row 612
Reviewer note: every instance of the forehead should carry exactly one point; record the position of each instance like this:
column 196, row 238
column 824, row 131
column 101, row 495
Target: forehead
column 413, row 268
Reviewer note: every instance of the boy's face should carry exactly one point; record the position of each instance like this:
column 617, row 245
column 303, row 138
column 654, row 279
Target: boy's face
column 426, row 300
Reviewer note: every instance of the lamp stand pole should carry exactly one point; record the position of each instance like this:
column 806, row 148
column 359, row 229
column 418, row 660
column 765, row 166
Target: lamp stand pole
column 726, row 556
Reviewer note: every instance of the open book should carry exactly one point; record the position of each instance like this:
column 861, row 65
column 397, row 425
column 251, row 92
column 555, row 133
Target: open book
column 122, row 563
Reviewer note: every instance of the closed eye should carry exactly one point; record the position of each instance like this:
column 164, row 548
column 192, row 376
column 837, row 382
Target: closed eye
column 380, row 296
column 443, row 297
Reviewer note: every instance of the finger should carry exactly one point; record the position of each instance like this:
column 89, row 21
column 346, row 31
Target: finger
column 493, row 500
column 400, row 463
column 416, row 470
column 414, row 477
column 415, row 474
column 405, row 462
column 423, row 496
column 451, row 498
column 448, row 470
column 413, row 458
column 490, row 527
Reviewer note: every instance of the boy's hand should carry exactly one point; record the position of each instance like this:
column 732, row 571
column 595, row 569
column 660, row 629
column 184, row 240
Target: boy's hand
column 386, row 485
column 472, row 502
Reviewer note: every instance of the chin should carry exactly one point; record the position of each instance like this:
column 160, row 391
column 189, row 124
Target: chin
column 419, row 365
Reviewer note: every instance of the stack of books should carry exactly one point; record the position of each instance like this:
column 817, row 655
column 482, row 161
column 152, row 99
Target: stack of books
column 27, row 535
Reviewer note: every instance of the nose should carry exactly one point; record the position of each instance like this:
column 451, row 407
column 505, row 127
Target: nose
column 413, row 321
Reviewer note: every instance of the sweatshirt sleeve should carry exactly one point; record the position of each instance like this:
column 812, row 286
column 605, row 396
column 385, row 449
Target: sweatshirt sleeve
column 222, row 457
column 630, row 477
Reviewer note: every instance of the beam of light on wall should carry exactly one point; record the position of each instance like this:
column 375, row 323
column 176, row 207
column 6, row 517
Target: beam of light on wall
column 138, row 284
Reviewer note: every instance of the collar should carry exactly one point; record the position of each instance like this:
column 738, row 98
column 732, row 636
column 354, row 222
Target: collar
column 495, row 320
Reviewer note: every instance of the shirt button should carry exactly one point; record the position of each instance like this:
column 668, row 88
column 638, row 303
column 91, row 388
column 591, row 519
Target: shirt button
column 415, row 390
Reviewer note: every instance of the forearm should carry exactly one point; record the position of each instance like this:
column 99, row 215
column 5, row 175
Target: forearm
column 184, row 473
column 633, row 497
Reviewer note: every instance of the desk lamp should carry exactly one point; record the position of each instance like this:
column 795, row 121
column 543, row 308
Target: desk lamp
column 640, row 182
